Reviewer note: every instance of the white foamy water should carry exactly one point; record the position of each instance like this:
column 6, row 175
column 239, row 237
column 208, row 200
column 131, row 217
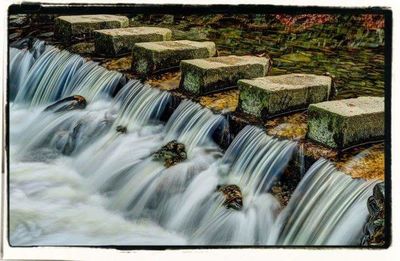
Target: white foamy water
column 76, row 180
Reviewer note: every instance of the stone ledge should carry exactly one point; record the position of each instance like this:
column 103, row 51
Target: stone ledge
column 111, row 42
column 68, row 27
column 151, row 57
column 203, row 76
column 344, row 123
column 267, row 96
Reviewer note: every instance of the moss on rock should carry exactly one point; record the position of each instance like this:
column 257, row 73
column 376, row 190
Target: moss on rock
column 343, row 123
column 203, row 76
column 167, row 55
column 271, row 95
column 111, row 42
column 82, row 26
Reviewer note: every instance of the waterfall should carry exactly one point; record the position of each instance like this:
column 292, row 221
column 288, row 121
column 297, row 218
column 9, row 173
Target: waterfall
column 138, row 108
column 253, row 161
column 147, row 185
column 57, row 74
column 327, row 208
column 89, row 176
column 20, row 62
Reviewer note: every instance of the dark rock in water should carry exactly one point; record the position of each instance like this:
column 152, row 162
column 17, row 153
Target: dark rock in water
column 18, row 20
column 121, row 129
column 374, row 229
column 25, row 43
column 373, row 207
column 233, row 196
column 82, row 48
column 379, row 194
column 75, row 102
column 172, row 153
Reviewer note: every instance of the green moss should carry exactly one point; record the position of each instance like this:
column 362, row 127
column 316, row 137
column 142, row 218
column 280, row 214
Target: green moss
column 192, row 83
column 253, row 100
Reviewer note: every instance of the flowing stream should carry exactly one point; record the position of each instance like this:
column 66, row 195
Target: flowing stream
column 76, row 180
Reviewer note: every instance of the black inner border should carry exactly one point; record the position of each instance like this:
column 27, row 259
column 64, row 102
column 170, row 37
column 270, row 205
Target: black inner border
column 71, row 9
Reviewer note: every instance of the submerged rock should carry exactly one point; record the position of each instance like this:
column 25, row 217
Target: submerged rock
column 121, row 129
column 374, row 229
column 75, row 102
column 172, row 153
column 65, row 140
column 233, row 196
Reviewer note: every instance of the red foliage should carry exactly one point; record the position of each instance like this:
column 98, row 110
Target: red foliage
column 373, row 21
column 303, row 21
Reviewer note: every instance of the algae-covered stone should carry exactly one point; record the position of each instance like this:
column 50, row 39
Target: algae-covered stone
column 271, row 95
column 202, row 76
column 121, row 40
column 343, row 123
column 171, row 153
column 82, row 26
column 155, row 56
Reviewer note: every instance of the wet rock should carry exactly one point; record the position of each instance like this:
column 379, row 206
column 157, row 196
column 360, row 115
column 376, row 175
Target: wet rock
column 18, row 20
column 203, row 76
column 75, row 102
column 374, row 229
column 82, row 48
column 379, row 194
column 171, row 154
column 121, row 129
column 154, row 57
column 82, row 26
column 117, row 41
column 233, row 196
column 344, row 123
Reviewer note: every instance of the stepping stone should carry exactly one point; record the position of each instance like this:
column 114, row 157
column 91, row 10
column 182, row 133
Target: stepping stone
column 203, row 76
column 268, row 96
column 117, row 41
column 68, row 27
column 344, row 123
column 157, row 56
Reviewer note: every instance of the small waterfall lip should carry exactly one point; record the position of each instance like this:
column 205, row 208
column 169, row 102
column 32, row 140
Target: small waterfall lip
column 57, row 74
column 203, row 217
column 192, row 125
column 139, row 104
column 35, row 46
column 256, row 160
column 321, row 202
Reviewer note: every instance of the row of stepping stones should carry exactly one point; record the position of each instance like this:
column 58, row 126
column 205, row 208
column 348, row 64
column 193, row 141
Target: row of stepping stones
column 336, row 124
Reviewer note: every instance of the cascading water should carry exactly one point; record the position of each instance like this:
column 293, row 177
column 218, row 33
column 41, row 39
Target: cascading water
column 327, row 208
column 253, row 161
column 89, row 177
column 147, row 185
column 21, row 60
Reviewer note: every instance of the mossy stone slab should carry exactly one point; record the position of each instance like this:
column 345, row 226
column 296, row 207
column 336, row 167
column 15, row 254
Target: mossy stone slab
column 68, row 27
column 155, row 56
column 343, row 123
column 111, row 42
column 203, row 76
column 267, row 96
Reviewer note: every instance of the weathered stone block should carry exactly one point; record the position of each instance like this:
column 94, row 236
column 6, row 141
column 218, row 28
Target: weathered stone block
column 271, row 95
column 202, row 76
column 116, row 41
column 154, row 56
column 68, row 27
column 343, row 123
